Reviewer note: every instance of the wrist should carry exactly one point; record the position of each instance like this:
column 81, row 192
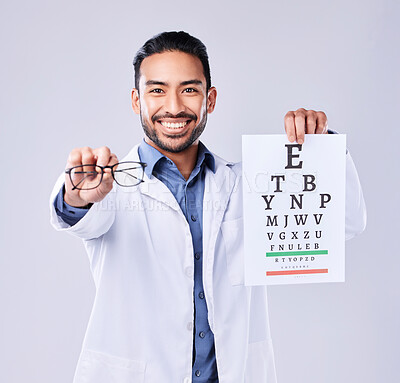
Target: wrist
column 76, row 202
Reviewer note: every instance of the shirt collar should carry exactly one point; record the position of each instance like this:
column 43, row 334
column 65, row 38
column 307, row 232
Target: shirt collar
column 151, row 156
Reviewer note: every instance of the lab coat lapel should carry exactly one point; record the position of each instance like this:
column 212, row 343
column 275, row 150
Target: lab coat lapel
column 157, row 190
column 217, row 192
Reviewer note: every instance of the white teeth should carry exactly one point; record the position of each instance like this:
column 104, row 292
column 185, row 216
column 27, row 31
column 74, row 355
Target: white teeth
column 173, row 125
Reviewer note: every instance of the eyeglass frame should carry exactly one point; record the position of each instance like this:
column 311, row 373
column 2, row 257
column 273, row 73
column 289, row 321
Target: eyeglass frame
column 68, row 171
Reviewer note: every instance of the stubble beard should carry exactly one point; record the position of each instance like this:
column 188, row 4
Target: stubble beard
column 169, row 147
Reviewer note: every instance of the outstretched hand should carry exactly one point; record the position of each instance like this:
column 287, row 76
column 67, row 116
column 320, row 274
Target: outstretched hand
column 88, row 156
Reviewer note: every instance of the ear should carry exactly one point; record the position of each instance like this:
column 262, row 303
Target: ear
column 135, row 101
column 211, row 99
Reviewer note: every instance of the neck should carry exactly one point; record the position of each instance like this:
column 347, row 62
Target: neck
column 185, row 160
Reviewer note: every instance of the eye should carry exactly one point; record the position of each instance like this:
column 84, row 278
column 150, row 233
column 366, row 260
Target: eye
column 190, row 90
column 156, row 90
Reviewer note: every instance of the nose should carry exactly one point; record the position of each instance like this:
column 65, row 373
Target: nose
column 173, row 103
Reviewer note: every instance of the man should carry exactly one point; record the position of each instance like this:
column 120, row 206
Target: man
column 167, row 254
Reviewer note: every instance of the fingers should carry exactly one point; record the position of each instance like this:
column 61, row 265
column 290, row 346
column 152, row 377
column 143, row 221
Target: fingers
column 290, row 126
column 311, row 122
column 113, row 160
column 87, row 156
column 103, row 155
column 322, row 123
column 302, row 121
column 74, row 158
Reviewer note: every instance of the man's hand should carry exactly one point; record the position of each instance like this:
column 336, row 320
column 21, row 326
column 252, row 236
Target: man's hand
column 304, row 121
column 88, row 156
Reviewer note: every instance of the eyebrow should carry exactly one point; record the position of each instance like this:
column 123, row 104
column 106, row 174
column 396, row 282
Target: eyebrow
column 191, row 82
column 183, row 83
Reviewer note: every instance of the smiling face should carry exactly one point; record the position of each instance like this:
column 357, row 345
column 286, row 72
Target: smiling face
column 172, row 100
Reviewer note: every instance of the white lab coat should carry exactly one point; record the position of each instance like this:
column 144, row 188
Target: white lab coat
column 141, row 257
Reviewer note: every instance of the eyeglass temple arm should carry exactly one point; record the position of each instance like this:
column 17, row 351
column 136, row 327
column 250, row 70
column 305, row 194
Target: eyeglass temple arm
column 130, row 175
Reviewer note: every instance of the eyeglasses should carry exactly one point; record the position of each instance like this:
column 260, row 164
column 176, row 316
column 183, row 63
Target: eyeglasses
column 87, row 177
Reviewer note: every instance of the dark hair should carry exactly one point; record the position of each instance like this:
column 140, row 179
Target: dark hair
column 173, row 41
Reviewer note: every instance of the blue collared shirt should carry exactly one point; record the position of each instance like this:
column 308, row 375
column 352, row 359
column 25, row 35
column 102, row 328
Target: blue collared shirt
column 189, row 194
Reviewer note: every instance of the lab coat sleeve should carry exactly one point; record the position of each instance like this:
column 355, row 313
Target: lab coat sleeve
column 356, row 214
column 96, row 222
column 68, row 213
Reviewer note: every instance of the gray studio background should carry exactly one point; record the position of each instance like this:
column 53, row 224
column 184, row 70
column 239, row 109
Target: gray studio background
column 66, row 77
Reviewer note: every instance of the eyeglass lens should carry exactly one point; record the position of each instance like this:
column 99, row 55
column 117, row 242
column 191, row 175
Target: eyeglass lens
column 128, row 173
column 86, row 177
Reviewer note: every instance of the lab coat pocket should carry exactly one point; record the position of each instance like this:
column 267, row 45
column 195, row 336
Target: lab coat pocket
column 232, row 233
column 96, row 367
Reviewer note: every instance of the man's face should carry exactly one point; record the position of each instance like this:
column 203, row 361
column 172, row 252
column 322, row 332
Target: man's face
column 173, row 101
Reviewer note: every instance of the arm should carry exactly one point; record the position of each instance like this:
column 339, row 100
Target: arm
column 98, row 219
column 356, row 213
column 68, row 213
